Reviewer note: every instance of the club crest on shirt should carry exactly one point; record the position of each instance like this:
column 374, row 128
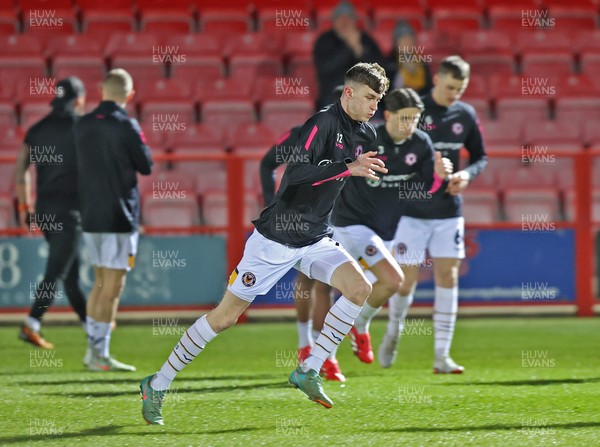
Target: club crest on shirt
column 370, row 250
column 248, row 279
column 401, row 248
column 410, row 159
column 457, row 128
column 358, row 151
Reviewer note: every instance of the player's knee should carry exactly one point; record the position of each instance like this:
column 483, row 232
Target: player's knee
column 359, row 291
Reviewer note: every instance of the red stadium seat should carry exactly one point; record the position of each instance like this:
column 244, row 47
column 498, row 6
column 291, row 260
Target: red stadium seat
column 476, row 89
column 167, row 21
column 480, row 206
column 164, row 5
column 590, row 65
column 214, row 206
column 387, row 16
column 555, row 135
column 485, row 42
column 48, row 20
column 182, row 212
column 576, row 111
column 574, row 86
column 502, row 133
column 323, row 16
column 9, row 21
column 196, row 135
column 196, row 166
column 197, row 44
column 142, row 44
column 299, row 43
column 141, row 68
column 438, row 42
column 7, row 213
column 84, row 67
column 169, row 116
column 283, row 115
column 284, row 19
column 249, row 67
column 254, row 44
column 104, row 5
column 436, row 4
column 8, row 117
column 162, row 90
column 222, row 89
column 255, row 134
column 586, row 41
column 11, row 138
column 531, row 206
column 591, row 133
column 103, row 24
column 154, row 137
column 302, row 66
column 522, row 109
column 574, row 17
column 490, row 64
column 20, row 45
column 32, row 112
column 214, row 178
column 526, row 177
column 456, row 19
column 73, row 44
column 511, row 18
column 540, row 64
column 209, row 69
column 227, row 114
column 543, row 41
column 571, row 203
column 487, row 179
column 225, row 20
column 163, row 180
column 280, row 87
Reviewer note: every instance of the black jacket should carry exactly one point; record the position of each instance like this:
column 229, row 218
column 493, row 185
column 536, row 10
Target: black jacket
column 111, row 149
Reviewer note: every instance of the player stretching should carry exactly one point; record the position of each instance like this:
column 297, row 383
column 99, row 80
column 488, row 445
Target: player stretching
column 437, row 225
column 111, row 149
column 288, row 150
column 307, row 194
column 367, row 212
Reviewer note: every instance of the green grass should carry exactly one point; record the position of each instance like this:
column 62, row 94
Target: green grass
column 235, row 393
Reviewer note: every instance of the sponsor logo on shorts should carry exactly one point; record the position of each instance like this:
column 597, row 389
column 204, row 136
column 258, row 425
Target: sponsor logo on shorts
column 371, row 250
column 401, row 248
column 248, row 279
column 410, row 159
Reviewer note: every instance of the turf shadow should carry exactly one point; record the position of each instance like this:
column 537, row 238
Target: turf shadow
column 106, row 430
column 566, row 426
column 533, row 382
column 137, row 380
column 130, row 391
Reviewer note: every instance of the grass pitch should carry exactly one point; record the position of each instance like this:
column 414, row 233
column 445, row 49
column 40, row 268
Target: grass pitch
column 528, row 382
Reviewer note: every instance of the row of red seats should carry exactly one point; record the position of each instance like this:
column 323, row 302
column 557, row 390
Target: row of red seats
column 181, row 18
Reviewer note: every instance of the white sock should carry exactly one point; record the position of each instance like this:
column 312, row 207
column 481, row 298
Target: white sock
column 364, row 319
column 190, row 345
column 304, row 333
column 101, row 338
column 89, row 330
column 444, row 318
column 338, row 322
column 315, row 335
column 33, row 323
column 397, row 313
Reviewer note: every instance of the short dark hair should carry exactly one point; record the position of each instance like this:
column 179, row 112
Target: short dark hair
column 370, row 74
column 456, row 66
column 402, row 98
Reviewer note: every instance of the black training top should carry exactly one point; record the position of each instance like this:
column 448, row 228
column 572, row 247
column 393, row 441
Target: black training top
column 111, row 148
column 450, row 128
column 52, row 149
column 300, row 213
column 378, row 204
column 285, row 150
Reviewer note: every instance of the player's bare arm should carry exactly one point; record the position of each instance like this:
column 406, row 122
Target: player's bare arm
column 366, row 165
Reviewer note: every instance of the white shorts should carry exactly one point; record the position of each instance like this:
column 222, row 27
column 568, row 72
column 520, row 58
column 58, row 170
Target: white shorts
column 363, row 244
column 444, row 238
column 266, row 261
column 112, row 250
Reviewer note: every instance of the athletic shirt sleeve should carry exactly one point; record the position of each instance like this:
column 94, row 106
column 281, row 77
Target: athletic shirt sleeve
column 316, row 137
column 139, row 152
column 270, row 162
column 475, row 147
